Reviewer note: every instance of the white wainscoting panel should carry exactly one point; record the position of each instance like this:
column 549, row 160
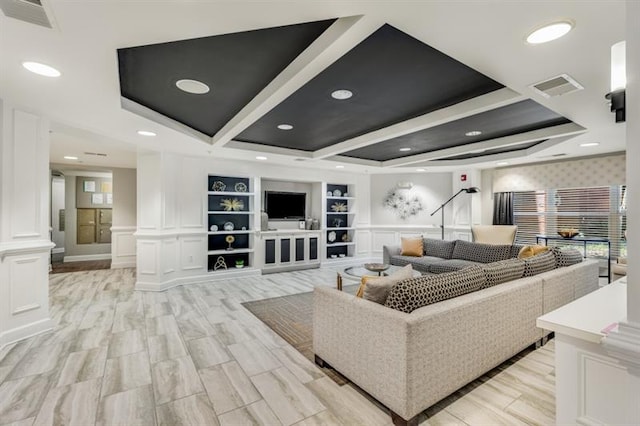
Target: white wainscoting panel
column 191, row 194
column 147, row 257
column 169, row 255
column 363, row 242
column 23, row 276
column 123, row 247
column 383, row 238
column 193, row 251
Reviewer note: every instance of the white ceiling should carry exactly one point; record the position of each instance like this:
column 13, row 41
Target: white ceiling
column 84, row 103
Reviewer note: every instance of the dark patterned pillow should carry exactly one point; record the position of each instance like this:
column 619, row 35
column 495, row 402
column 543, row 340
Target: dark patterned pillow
column 503, row 271
column 539, row 263
column 482, row 253
column 438, row 248
column 409, row 295
column 515, row 250
column 566, row 256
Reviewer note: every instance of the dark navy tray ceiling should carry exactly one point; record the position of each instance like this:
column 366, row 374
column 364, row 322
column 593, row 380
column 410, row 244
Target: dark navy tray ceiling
column 235, row 66
column 501, row 150
column 523, row 116
column 393, row 77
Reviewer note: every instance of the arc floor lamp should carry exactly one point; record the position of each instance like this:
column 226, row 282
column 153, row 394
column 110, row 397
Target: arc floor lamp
column 470, row 190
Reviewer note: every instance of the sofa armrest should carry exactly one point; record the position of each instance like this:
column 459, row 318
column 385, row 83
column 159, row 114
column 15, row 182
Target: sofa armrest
column 388, row 251
column 364, row 341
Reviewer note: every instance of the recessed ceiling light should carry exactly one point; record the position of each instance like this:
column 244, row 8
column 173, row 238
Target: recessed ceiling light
column 41, row 69
column 549, row 32
column 146, row 133
column 261, row 157
column 342, row 94
column 285, row 126
column 588, row 144
column 339, row 167
column 502, row 163
column 70, row 157
column 192, row 86
column 420, row 170
column 405, row 149
column 473, row 133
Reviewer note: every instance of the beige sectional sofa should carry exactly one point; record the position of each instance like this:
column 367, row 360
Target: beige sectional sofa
column 410, row 361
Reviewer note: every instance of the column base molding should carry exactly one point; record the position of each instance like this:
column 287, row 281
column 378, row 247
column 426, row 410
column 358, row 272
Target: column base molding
column 624, row 344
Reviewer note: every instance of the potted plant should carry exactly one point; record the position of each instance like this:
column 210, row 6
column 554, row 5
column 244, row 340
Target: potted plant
column 240, row 263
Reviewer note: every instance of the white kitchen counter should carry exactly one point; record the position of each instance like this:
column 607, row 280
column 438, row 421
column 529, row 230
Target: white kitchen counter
column 587, row 317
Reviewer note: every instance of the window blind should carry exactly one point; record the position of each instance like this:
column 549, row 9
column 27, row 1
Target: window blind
column 595, row 212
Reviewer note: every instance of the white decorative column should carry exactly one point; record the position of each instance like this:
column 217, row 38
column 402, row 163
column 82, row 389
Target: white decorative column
column 625, row 343
column 24, row 224
column 171, row 236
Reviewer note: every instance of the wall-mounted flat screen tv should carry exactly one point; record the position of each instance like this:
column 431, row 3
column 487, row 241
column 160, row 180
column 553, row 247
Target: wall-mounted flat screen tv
column 285, row 205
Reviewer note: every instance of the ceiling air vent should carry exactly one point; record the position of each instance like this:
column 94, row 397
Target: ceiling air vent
column 26, row 10
column 557, row 86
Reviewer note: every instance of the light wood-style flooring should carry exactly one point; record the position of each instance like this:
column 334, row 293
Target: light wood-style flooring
column 194, row 355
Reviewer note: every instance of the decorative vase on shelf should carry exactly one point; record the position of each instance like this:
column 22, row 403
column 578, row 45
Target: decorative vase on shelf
column 264, row 221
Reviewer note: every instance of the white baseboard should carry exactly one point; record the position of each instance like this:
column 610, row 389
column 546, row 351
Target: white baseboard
column 81, row 258
column 120, row 265
column 196, row 279
column 25, row 331
column 57, row 250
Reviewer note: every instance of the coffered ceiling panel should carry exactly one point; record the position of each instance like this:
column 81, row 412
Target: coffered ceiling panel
column 501, row 150
column 393, row 77
column 236, row 67
column 509, row 120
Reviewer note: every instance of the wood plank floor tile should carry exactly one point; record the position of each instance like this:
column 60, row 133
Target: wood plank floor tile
column 287, row 397
column 256, row 414
column 192, row 410
column 125, row 373
column 228, row 387
column 208, row 351
column 253, row 357
column 75, row 404
column 174, row 379
column 133, row 407
column 82, row 366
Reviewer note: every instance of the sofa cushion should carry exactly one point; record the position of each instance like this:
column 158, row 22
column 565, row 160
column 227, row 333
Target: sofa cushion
column 449, row 265
column 419, row 263
column 377, row 289
column 503, row 271
column 409, row 295
column 529, row 251
column 539, row 263
column 411, row 246
column 478, row 252
column 438, row 248
column 566, row 256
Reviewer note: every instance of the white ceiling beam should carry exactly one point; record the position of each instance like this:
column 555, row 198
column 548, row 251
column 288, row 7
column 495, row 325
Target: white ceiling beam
column 338, row 39
column 502, row 156
column 355, row 161
column 477, row 105
column 561, row 130
column 268, row 149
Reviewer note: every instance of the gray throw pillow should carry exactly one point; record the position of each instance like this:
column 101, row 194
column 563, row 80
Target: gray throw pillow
column 377, row 288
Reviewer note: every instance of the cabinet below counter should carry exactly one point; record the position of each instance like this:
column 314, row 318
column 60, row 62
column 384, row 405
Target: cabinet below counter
column 290, row 249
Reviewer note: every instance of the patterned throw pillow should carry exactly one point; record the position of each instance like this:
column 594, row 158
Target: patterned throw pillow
column 377, row 289
column 515, row 249
column 503, row 271
column 529, row 251
column 438, row 248
column 539, row 263
column 409, row 295
column 411, row 246
column 482, row 253
column 566, row 256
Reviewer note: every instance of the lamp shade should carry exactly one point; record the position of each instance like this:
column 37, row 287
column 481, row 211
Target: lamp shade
column 618, row 66
column 472, row 190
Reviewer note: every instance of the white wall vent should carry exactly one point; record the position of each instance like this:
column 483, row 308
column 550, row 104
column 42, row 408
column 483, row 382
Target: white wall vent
column 30, row 11
column 557, row 86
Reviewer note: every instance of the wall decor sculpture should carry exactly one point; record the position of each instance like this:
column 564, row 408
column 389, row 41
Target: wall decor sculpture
column 403, row 204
